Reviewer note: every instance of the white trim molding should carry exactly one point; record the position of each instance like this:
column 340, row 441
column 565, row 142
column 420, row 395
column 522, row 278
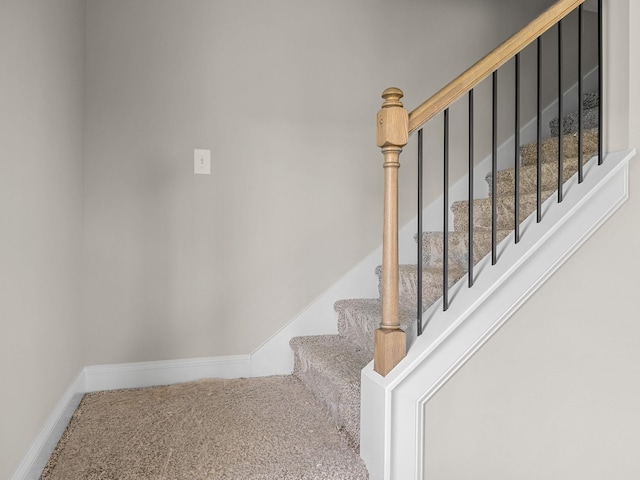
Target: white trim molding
column 148, row 374
column 392, row 418
column 34, row 461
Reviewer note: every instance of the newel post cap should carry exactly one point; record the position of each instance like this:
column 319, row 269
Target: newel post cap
column 392, row 120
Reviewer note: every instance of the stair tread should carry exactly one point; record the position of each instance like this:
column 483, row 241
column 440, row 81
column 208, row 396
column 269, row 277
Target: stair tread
column 590, row 118
column 431, row 282
column 372, row 308
column 504, row 207
column 358, row 318
column 433, row 243
column 528, row 181
column 411, row 269
column 591, row 99
column 330, row 366
column 500, row 199
column 427, row 270
column 549, row 148
column 339, row 358
column 463, row 235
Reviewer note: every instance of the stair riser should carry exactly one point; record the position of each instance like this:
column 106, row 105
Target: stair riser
column 359, row 318
column 549, row 151
column 528, row 178
column 358, row 327
column 570, row 122
column 431, row 284
column 591, row 99
column 432, row 247
column 344, row 414
column 505, row 212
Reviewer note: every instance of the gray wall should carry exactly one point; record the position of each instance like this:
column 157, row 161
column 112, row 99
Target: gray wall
column 41, row 128
column 285, row 96
column 555, row 394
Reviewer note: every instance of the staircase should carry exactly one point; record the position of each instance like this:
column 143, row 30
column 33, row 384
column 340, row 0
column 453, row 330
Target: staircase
column 330, row 365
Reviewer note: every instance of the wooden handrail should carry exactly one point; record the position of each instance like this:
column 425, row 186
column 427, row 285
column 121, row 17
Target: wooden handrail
column 490, row 63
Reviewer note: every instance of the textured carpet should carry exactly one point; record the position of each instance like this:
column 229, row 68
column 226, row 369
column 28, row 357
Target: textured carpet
column 259, row 428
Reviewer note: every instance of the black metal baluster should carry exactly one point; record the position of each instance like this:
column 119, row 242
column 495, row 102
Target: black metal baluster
column 539, row 136
column 580, row 96
column 445, row 231
column 471, row 168
column 517, row 153
column 494, row 168
column 560, row 114
column 420, row 177
column 600, row 79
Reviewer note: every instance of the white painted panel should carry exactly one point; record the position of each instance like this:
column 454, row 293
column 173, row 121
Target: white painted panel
column 476, row 314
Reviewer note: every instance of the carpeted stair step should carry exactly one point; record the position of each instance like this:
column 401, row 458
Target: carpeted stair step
column 358, row 318
column 591, row 99
column 433, row 247
column 329, row 366
column 570, row 122
column 590, row 104
column 505, row 209
column 529, row 180
column 549, row 151
column 431, row 283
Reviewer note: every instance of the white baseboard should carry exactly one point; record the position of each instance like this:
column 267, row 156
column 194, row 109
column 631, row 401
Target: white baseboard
column 36, row 458
column 148, row 374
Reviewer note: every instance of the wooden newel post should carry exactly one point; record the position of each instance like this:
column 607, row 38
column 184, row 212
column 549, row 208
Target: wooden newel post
column 390, row 344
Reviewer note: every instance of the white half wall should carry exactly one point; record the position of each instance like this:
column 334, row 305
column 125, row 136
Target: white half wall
column 575, row 392
column 568, row 397
column 393, row 427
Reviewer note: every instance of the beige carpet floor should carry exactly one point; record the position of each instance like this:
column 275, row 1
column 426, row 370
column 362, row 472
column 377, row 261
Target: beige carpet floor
column 259, row 428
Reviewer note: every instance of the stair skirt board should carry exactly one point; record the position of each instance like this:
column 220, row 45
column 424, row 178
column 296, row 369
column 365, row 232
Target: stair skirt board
column 392, row 418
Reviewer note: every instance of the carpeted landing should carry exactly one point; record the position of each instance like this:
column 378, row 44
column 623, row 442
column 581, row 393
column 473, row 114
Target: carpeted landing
column 257, row 428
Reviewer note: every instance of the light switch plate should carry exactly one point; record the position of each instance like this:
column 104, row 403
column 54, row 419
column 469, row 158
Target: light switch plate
column 202, row 161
